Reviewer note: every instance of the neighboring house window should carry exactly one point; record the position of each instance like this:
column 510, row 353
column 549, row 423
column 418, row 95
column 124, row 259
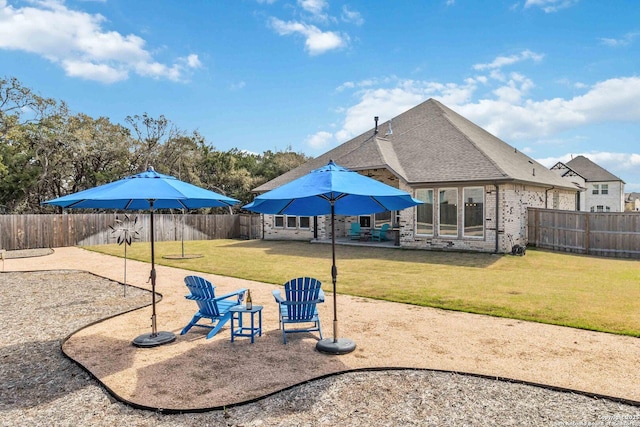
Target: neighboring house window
column 424, row 221
column 600, row 208
column 596, row 189
column 279, row 221
column 607, row 208
column 473, row 211
column 305, row 222
column 593, row 209
column 448, row 203
column 604, row 189
column 292, row 221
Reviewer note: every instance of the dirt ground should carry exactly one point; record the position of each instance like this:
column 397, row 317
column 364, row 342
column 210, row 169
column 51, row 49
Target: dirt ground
column 194, row 372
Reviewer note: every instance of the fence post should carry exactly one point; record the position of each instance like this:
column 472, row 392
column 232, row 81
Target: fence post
column 587, row 238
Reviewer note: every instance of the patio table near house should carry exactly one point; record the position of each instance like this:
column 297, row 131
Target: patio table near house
column 365, row 235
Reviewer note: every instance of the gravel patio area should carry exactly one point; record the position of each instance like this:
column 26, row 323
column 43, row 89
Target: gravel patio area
column 40, row 386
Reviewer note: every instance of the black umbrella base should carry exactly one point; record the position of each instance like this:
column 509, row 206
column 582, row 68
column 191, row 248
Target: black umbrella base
column 339, row 346
column 154, row 340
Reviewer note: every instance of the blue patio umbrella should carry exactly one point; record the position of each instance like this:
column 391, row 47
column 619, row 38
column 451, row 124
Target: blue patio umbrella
column 332, row 190
column 148, row 190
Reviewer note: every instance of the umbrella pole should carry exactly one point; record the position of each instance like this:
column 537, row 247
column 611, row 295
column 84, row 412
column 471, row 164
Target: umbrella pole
column 334, row 275
column 152, row 276
column 155, row 338
column 335, row 345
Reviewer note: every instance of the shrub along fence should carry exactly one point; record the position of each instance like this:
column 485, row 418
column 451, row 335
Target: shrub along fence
column 59, row 230
column 612, row 234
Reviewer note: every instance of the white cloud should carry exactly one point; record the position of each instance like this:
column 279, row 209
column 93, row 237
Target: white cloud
column 315, row 7
column 509, row 112
column 502, row 61
column 192, row 61
column 353, row 16
column 320, row 140
column 98, row 72
column 626, row 40
column 550, row 5
column 387, row 103
column 78, row 42
column 317, row 41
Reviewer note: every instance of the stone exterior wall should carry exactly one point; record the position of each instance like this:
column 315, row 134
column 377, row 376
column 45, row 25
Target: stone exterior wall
column 513, row 201
column 342, row 224
column 271, row 232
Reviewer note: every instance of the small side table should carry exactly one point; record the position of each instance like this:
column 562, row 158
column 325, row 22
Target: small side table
column 246, row 331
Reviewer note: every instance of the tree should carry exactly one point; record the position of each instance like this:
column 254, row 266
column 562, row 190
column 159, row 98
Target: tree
column 150, row 134
column 45, row 152
column 20, row 110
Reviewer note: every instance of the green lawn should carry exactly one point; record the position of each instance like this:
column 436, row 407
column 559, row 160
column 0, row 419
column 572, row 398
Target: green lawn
column 601, row 294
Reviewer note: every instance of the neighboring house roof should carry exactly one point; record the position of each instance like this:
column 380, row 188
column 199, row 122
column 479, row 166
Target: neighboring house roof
column 590, row 171
column 432, row 144
column 631, row 197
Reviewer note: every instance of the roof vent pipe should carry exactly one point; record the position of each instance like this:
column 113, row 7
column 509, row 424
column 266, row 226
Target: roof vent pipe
column 375, row 131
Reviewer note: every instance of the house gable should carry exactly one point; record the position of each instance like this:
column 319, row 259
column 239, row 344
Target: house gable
column 601, row 190
column 431, row 144
column 590, row 171
column 478, row 187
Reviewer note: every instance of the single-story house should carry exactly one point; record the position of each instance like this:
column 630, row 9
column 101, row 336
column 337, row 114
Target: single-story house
column 600, row 190
column 476, row 187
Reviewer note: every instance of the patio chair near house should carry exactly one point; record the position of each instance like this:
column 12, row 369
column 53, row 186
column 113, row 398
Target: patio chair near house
column 355, row 231
column 211, row 307
column 379, row 234
column 298, row 307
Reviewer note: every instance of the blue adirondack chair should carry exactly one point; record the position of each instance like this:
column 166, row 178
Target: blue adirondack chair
column 299, row 305
column 209, row 306
column 354, row 231
column 379, row 234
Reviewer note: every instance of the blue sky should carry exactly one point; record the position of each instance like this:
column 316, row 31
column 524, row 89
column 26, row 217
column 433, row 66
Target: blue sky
column 553, row 78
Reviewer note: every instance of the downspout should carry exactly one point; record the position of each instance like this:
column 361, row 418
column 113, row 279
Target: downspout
column 497, row 215
column 546, row 197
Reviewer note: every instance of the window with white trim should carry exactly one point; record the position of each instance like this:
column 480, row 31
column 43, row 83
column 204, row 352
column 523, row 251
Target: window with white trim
column 596, row 189
column 424, row 212
column 473, row 211
column 365, row 221
column 604, row 189
column 292, row 222
column 448, row 212
column 382, row 218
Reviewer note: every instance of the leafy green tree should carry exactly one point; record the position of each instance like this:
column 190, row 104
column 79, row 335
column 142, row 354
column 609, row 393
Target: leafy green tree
column 45, row 152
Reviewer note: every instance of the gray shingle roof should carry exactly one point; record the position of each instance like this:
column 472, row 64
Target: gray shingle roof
column 432, row 144
column 590, row 171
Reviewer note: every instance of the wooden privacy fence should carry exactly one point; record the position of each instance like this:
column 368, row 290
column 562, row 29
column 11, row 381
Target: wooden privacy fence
column 59, row 230
column 594, row 233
